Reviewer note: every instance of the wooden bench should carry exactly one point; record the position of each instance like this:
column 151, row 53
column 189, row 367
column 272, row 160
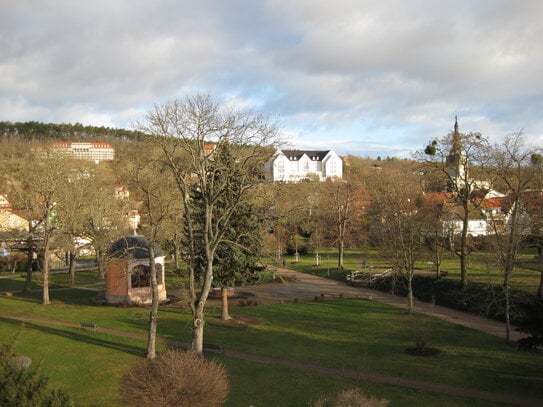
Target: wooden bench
column 88, row 325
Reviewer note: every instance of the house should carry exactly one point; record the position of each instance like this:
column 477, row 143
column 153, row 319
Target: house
column 297, row 165
column 11, row 219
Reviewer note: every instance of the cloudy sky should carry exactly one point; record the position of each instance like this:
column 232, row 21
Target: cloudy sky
column 371, row 78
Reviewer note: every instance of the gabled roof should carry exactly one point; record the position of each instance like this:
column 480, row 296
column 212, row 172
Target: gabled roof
column 315, row 155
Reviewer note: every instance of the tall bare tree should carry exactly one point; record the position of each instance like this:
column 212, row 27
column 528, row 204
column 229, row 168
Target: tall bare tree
column 192, row 134
column 397, row 205
column 518, row 173
column 461, row 159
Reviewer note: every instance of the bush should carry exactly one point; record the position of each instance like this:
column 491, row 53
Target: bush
column 175, row 378
column 532, row 325
column 350, row 398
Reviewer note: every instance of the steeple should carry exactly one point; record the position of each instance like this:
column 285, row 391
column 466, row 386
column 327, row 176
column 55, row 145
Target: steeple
column 456, row 160
column 455, row 124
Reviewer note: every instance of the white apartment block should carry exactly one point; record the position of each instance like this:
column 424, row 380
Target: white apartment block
column 97, row 151
column 297, row 165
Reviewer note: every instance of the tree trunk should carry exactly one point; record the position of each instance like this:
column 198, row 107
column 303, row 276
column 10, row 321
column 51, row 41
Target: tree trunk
column 100, row 259
column 437, row 259
column 199, row 307
column 341, row 252
column 198, row 329
column 29, row 261
column 153, row 313
column 410, row 305
column 71, row 272
column 45, row 275
column 176, row 255
column 464, row 252
column 224, row 304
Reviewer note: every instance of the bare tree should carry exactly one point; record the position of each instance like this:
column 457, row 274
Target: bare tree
column 343, row 196
column 37, row 181
column 517, row 171
column 401, row 222
column 457, row 157
column 150, row 184
column 192, row 134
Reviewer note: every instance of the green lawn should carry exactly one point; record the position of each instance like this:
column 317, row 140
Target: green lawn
column 482, row 266
column 351, row 334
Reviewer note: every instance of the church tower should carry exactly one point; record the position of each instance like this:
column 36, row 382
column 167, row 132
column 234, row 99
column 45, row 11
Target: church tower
column 456, row 163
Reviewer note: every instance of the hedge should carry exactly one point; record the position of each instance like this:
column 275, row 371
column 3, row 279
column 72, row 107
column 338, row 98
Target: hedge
column 485, row 300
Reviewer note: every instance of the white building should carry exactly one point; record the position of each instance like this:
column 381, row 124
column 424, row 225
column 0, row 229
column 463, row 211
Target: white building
column 96, row 151
column 297, row 165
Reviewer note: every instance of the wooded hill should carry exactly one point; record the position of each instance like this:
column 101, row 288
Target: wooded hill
column 61, row 132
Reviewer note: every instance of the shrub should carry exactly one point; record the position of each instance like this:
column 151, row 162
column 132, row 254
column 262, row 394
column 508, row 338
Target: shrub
column 350, row 398
column 175, row 378
column 532, row 325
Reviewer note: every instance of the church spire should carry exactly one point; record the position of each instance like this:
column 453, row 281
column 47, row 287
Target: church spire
column 455, row 124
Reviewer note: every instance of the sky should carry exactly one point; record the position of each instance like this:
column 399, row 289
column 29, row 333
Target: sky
column 368, row 78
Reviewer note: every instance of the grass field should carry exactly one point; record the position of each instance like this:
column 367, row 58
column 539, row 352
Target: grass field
column 348, row 334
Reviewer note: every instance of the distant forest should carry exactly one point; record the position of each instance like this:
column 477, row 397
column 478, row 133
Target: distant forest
column 62, row 132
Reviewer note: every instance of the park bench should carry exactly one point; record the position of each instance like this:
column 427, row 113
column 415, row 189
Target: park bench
column 88, row 325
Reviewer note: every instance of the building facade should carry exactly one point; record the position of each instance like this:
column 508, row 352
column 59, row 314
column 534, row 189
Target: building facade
column 96, row 151
column 297, row 165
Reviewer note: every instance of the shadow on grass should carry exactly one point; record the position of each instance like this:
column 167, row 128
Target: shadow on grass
column 72, row 296
column 88, row 337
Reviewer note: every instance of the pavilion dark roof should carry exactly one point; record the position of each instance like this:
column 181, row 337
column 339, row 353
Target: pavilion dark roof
column 133, row 247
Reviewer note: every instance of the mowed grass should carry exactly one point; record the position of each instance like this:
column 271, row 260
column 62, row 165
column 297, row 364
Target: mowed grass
column 349, row 334
column 89, row 366
column 482, row 266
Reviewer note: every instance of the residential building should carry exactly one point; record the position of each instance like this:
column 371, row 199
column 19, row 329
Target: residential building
column 297, row 165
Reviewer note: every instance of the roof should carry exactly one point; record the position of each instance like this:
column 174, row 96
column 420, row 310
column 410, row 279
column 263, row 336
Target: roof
column 69, row 144
column 133, row 247
column 492, row 203
column 436, row 198
column 295, row 155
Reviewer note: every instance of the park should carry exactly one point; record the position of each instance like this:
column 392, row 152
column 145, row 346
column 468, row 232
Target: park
column 287, row 352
